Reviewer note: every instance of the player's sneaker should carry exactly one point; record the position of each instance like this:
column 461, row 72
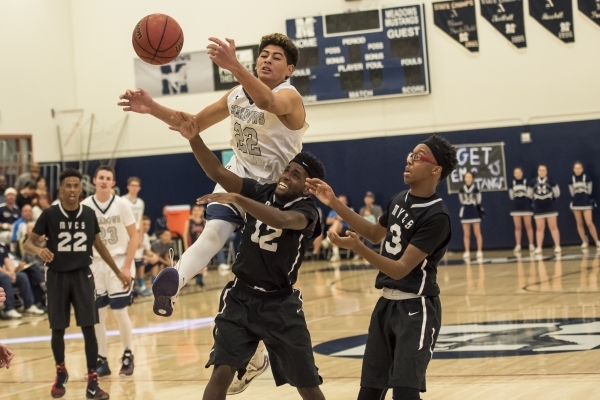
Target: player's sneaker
column 142, row 291
column 62, row 376
column 102, row 367
column 33, row 310
column 252, row 371
column 126, row 364
column 93, row 391
column 165, row 286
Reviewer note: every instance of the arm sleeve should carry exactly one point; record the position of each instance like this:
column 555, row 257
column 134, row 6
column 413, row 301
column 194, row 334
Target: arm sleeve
column 478, row 198
column 571, row 189
column 251, row 188
column 41, row 225
column 556, row 191
column 462, row 198
column 432, row 233
column 589, row 188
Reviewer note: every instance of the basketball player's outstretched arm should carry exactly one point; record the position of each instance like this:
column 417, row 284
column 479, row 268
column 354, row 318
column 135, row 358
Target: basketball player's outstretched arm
column 105, row 254
column 141, row 102
column 374, row 232
column 211, row 164
column 286, row 103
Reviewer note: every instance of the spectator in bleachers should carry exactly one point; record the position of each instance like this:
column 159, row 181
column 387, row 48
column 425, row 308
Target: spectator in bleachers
column 194, row 225
column 370, row 205
column 28, row 177
column 161, row 249
column 24, row 196
column 9, row 276
column 3, row 186
column 19, row 227
column 583, row 204
column 9, row 213
column 140, row 264
column 33, row 266
column 41, row 205
column 544, row 193
column 160, row 223
column 470, row 215
column 41, row 191
column 337, row 225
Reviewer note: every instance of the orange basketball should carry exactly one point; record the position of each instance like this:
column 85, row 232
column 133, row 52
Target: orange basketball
column 157, row 39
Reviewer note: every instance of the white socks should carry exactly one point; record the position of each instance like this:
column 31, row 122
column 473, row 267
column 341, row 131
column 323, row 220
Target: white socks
column 199, row 254
column 100, row 329
column 125, row 329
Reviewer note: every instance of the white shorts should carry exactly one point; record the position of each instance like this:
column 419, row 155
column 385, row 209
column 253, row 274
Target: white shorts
column 109, row 289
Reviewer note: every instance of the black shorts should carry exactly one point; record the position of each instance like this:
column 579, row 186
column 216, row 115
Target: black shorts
column 402, row 335
column 74, row 287
column 244, row 319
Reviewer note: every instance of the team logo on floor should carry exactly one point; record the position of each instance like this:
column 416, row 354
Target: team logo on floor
column 493, row 339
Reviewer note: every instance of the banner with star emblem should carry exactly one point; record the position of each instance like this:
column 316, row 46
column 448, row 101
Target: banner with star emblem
column 556, row 16
column 507, row 17
column 591, row 9
column 457, row 19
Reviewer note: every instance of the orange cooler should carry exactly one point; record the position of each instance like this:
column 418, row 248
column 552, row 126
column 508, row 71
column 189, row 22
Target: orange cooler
column 176, row 218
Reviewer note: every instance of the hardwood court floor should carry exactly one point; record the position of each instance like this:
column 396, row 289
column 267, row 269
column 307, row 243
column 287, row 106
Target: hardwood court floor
column 511, row 330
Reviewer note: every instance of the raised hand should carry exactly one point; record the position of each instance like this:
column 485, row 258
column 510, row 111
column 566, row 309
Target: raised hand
column 223, row 54
column 351, row 241
column 320, row 190
column 186, row 124
column 222, row 198
column 138, row 101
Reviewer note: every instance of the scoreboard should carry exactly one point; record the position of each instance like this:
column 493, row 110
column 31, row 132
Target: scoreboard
column 363, row 54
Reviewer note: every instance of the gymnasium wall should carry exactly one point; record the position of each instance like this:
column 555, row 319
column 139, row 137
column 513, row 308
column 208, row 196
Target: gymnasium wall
column 382, row 173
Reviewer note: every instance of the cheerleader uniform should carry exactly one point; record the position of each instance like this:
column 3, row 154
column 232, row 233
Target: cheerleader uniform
column 581, row 191
column 470, row 200
column 544, row 193
column 521, row 198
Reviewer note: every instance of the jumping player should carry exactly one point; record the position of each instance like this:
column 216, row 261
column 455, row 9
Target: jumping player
column 407, row 318
column 119, row 233
column 267, row 124
column 71, row 229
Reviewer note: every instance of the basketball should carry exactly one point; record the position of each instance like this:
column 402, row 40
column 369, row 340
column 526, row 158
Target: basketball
column 157, row 39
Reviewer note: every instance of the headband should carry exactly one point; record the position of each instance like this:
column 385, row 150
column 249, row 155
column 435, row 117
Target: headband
column 439, row 156
column 304, row 160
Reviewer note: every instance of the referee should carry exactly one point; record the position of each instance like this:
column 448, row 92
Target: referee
column 71, row 229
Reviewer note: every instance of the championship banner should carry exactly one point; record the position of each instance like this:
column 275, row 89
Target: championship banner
column 190, row 73
column 485, row 161
column 507, row 17
column 591, row 9
column 457, row 19
column 556, row 16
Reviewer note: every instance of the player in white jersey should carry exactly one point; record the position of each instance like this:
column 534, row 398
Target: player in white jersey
column 134, row 185
column 118, row 232
column 267, row 125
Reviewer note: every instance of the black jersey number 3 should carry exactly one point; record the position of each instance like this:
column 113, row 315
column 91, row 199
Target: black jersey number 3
column 247, row 140
column 265, row 241
column 79, row 239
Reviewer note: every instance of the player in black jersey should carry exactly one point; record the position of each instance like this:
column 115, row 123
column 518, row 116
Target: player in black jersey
column 71, row 229
column 407, row 318
column 261, row 303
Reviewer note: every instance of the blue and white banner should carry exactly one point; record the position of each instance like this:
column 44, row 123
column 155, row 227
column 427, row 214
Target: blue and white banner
column 190, row 73
column 556, row 16
column 507, row 17
column 457, row 19
column 591, row 9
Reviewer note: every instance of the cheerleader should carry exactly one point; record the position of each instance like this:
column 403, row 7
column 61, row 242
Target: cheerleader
column 521, row 210
column 582, row 204
column 544, row 193
column 470, row 214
